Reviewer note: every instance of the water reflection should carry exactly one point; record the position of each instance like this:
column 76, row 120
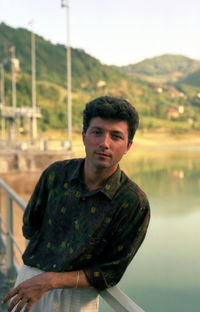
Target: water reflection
column 164, row 275
column 174, row 180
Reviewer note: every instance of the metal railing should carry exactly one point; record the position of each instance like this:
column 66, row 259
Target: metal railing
column 8, row 239
column 114, row 296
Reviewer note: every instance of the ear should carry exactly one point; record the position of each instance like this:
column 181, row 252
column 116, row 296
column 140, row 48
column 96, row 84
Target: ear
column 83, row 137
column 128, row 147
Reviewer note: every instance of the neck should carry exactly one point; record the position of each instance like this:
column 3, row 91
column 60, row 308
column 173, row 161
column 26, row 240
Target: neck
column 96, row 177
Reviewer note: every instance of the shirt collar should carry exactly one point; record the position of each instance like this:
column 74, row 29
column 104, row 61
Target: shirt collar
column 77, row 174
column 111, row 185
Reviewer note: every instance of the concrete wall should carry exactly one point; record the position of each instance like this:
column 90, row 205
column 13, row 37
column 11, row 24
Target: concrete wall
column 15, row 161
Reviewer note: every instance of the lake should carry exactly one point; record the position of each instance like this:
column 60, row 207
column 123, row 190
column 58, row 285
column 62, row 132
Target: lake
column 164, row 276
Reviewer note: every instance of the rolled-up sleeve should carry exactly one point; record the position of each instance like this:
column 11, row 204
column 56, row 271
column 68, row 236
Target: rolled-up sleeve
column 124, row 242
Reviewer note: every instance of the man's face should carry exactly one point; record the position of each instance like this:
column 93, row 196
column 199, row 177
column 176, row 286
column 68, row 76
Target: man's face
column 106, row 141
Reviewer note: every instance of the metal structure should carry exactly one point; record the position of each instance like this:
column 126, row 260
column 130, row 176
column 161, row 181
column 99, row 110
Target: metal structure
column 12, row 122
column 8, row 222
column 2, row 101
column 25, row 112
column 113, row 296
column 14, row 100
column 64, row 4
column 11, row 113
column 34, row 118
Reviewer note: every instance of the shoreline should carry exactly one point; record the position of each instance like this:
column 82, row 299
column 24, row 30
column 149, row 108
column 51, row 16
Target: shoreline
column 148, row 140
column 164, row 138
column 151, row 140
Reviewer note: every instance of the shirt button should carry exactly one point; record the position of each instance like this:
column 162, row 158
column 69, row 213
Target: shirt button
column 54, row 265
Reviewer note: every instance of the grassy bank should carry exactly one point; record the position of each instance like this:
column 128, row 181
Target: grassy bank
column 166, row 138
column 147, row 138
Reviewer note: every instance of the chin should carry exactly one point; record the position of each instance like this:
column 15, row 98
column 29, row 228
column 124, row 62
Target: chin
column 102, row 165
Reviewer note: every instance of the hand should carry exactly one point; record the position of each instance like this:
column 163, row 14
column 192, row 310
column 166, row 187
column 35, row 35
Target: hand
column 28, row 292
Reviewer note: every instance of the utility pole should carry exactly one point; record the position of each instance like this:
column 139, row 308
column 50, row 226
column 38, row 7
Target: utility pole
column 64, row 4
column 12, row 127
column 2, row 101
column 12, row 50
column 33, row 119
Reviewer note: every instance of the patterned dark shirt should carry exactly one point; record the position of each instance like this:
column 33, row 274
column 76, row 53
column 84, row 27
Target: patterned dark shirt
column 71, row 228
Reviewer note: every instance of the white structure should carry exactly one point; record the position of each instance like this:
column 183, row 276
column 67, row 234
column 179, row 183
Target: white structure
column 64, row 4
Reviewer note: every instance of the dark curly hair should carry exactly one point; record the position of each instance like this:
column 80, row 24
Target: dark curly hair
column 108, row 107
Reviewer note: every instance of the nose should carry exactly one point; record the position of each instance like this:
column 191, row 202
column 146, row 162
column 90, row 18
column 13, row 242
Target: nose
column 105, row 141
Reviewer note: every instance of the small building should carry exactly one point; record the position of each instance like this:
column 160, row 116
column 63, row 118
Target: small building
column 101, row 83
column 175, row 112
column 159, row 90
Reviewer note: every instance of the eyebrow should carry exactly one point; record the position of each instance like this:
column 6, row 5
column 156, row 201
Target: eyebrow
column 113, row 131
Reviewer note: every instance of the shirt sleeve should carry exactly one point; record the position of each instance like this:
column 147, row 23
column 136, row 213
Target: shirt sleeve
column 125, row 240
column 34, row 211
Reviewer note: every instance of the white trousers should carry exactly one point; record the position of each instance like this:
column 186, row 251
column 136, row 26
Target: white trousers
column 61, row 300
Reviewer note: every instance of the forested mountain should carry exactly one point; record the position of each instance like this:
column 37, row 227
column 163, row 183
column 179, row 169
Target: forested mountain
column 51, row 60
column 153, row 86
column 192, row 79
column 164, row 65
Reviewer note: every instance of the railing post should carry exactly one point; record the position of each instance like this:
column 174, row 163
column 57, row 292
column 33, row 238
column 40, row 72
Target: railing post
column 119, row 301
column 9, row 242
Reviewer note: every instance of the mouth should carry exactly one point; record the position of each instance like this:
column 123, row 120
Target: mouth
column 103, row 155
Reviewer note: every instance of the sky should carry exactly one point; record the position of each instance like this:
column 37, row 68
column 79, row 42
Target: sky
column 113, row 31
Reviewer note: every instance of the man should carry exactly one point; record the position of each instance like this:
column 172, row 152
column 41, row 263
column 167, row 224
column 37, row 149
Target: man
column 85, row 220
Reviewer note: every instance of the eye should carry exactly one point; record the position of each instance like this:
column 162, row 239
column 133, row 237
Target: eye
column 96, row 132
column 117, row 137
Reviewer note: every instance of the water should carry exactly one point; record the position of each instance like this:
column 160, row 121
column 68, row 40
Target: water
column 164, row 276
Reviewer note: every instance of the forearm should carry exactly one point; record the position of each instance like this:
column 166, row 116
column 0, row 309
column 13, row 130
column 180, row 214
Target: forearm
column 74, row 279
column 31, row 290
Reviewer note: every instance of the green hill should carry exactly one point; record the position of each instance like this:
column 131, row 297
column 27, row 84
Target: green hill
column 192, row 79
column 152, row 98
column 163, row 65
column 51, row 60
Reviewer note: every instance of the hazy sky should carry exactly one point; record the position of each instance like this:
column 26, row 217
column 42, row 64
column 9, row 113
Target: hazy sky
column 115, row 32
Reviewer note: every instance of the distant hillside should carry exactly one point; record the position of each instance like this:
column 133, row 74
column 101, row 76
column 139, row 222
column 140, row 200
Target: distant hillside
column 152, row 97
column 163, row 65
column 192, row 79
column 51, row 60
